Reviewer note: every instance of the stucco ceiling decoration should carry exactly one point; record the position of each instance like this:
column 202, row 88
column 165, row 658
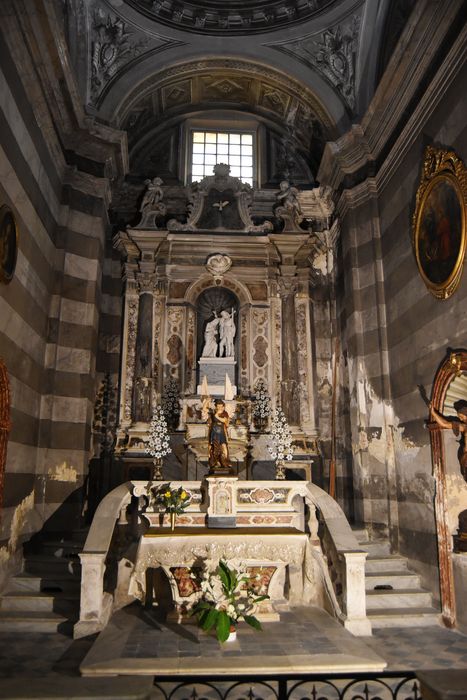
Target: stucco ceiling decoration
column 233, row 17
column 115, row 47
column 223, row 83
column 332, row 53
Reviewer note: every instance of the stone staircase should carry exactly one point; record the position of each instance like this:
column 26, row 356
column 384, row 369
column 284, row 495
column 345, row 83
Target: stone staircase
column 394, row 595
column 44, row 597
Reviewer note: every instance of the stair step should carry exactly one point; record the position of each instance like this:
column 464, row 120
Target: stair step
column 59, row 548
column 376, row 548
column 361, row 533
column 403, row 617
column 47, row 583
column 390, row 562
column 396, row 579
column 39, row 602
column 13, row 620
column 398, row 599
column 39, row 564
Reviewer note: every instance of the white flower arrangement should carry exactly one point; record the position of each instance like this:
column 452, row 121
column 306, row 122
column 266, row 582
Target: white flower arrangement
column 280, row 445
column 170, row 402
column 158, row 443
column 229, row 594
column 262, row 403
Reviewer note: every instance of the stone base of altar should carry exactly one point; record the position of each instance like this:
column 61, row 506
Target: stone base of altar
column 140, row 641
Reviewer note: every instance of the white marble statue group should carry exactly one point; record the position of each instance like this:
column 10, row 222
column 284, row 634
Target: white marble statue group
column 219, row 335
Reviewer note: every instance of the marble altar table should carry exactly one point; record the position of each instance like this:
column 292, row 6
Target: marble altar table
column 277, row 554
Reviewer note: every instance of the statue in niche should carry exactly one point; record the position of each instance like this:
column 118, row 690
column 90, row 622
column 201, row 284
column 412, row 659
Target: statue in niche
column 142, row 403
column 458, row 427
column 288, row 207
column 218, row 422
column 227, row 334
column 210, row 337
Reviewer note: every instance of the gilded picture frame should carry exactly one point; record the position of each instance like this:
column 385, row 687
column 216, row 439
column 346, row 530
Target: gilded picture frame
column 439, row 221
column 8, row 244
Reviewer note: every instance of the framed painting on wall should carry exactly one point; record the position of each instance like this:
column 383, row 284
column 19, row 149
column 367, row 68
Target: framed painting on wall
column 8, row 244
column 439, row 221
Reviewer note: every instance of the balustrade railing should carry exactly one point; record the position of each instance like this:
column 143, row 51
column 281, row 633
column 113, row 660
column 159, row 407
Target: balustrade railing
column 336, row 552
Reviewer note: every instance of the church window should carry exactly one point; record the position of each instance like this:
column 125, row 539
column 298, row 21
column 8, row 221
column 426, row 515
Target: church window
column 234, row 148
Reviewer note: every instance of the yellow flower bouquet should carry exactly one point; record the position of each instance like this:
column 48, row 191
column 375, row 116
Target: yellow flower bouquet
column 174, row 501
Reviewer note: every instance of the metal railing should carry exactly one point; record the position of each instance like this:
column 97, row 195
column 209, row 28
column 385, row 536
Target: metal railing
column 379, row 686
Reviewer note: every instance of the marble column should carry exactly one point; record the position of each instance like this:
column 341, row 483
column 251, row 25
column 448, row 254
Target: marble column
column 290, row 397
column 142, row 387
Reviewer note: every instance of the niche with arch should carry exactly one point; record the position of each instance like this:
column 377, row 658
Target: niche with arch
column 448, row 395
column 217, row 299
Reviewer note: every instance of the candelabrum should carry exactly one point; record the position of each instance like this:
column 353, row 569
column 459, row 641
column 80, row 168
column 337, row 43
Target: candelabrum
column 280, row 443
column 158, row 443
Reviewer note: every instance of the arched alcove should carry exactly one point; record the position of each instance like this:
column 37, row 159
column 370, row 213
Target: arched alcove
column 448, row 389
column 216, row 299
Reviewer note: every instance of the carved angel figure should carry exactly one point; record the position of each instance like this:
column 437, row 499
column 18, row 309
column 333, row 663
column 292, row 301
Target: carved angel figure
column 287, row 198
column 153, row 194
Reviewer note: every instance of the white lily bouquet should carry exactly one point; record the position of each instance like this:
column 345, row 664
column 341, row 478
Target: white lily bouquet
column 228, row 595
column 280, row 445
column 158, row 443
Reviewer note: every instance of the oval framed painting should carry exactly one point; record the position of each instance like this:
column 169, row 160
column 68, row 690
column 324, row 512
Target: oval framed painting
column 439, row 222
column 8, row 244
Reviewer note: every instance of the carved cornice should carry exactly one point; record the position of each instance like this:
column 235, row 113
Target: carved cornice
column 238, row 17
column 401, row 104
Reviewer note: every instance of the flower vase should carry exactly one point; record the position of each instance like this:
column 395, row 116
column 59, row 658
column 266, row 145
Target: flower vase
column 232, row 634
column 157, row 471
column 280, row 470
column 172, row 520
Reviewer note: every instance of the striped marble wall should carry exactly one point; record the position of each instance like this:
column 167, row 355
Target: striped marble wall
column 49, row 313
column 394, row 332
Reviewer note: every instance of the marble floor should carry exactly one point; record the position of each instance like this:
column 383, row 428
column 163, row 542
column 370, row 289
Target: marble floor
column 137, row 642
column 306, row 640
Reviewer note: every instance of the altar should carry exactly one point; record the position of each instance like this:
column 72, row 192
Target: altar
column 278, row 556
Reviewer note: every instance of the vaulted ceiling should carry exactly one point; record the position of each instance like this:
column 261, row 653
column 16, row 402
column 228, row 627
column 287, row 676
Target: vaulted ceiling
column 307, row 69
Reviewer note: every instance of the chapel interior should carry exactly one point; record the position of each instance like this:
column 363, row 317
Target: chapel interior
column 223, row 225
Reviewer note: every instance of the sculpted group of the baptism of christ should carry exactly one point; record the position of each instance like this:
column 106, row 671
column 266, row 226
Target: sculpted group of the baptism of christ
column 219, row 335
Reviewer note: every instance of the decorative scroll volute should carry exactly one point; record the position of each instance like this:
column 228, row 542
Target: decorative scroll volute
column 5, row 424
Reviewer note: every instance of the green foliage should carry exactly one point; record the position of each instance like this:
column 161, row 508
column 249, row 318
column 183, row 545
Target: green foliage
column 228, row 596
column 172, row 500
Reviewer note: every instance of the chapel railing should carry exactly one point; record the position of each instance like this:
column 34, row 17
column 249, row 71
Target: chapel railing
column 96, row 604
column 341, row 562
column 362, row 686
column 345, row 562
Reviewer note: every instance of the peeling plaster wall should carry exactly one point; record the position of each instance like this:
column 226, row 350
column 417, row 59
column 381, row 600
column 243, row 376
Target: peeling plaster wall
column 420, row 330
column 395, row 333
